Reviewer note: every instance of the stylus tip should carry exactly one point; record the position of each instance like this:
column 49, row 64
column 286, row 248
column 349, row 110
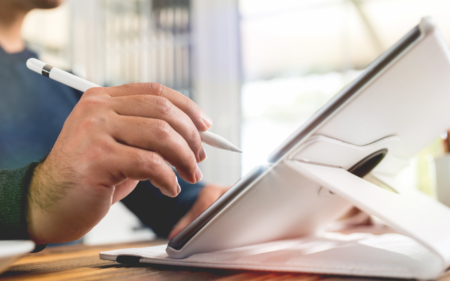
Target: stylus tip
column 235, row 149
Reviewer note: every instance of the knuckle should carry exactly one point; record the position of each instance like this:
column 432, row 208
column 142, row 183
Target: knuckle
column 163, row 105
column 97, row 151
column 126, row 88
column 92, row 102
column 164, row 129
column 101, row 147
column 151, row 159
column 156, row 88
column 94, row 123
column 140, row 159
column 90, row 92
column 93, row 92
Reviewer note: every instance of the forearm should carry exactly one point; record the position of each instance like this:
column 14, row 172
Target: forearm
column 61, row 210
column 41, row 196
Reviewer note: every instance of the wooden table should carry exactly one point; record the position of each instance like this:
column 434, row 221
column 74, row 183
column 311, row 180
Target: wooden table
column 80, row 262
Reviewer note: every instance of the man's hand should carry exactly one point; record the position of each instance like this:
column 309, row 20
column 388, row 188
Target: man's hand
column 113, row 138
column 208, row 195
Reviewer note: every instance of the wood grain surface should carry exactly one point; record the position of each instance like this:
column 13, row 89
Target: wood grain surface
column 80, row 262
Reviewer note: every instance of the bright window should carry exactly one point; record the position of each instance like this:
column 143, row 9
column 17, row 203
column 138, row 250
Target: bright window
column 297, row 54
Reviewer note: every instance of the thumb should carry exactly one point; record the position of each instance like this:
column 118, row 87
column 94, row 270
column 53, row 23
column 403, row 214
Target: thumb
column 123, row 189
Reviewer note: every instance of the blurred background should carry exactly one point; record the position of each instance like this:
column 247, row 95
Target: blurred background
column 258, row 68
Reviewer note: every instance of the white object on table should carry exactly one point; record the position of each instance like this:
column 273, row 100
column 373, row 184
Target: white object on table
column 11, row 250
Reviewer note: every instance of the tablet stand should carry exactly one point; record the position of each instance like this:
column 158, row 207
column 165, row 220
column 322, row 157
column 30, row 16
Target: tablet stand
column 413, row 214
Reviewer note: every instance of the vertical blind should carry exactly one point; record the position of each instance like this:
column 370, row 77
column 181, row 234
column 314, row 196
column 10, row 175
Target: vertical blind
column 134, row 41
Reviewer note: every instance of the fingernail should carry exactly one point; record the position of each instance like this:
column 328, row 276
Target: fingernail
column 178, row 189
column 198, row 174
column 206, row 120
column 202, row 154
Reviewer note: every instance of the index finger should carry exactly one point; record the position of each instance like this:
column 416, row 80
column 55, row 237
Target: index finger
column 201, row 121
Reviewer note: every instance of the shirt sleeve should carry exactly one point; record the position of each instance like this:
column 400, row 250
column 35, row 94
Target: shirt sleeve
column 158, row 211
column 13, row 202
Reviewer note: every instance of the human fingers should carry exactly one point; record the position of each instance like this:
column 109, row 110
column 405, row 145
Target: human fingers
column 89, row 128
column 208, row 195
column 158, row 136
column 138, row 164
column 200, row 119
column 161, row 108
column 123, row 189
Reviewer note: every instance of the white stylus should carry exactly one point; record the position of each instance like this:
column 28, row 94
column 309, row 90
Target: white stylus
column 82, row 85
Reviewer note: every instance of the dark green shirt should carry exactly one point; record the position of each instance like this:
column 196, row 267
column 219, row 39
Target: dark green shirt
column 13, row 202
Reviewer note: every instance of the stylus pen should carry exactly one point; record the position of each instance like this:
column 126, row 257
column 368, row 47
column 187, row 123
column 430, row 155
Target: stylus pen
column 82, row 85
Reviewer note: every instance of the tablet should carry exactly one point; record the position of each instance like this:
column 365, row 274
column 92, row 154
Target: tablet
column 397, row 106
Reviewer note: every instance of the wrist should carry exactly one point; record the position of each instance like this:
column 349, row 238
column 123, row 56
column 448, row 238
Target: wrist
column 35, row 210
